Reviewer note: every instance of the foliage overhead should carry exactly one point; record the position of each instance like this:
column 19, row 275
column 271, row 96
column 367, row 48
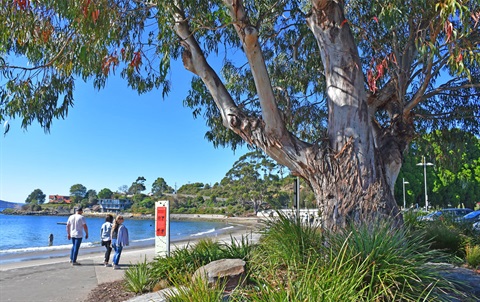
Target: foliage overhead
column 425, row 51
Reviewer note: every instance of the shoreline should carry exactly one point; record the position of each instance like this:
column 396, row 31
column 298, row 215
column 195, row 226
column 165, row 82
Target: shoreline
column 204, row 217
column 247, row 226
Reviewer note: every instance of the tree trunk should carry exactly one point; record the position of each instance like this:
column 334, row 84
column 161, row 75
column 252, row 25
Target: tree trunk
column 341, row 194
column 353, row 185
column 345, row 170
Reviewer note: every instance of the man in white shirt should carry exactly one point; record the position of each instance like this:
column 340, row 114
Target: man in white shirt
column 76, row 224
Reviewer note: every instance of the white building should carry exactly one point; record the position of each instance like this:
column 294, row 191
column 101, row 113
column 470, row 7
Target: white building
column 114, row 205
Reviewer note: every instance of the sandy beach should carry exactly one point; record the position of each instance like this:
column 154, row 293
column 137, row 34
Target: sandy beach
column 54, row 279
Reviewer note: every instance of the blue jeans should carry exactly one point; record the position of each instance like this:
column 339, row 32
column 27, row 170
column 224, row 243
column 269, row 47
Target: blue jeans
column 118, row 251
column 75, row 248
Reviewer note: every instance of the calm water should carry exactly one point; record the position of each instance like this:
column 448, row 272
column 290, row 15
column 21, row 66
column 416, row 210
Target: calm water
column 24, row 235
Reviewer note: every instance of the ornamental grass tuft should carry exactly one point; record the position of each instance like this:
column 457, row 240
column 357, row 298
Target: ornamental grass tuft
column 472, row 255
column 138, row 279
column 363, row 262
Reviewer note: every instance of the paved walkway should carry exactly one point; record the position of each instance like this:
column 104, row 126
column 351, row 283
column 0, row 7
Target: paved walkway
column 57, row 280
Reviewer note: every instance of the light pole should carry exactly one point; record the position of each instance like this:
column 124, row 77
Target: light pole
column 425, row 164
column 404, row 183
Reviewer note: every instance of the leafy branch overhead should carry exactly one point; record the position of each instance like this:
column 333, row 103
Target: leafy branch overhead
column 404, row 47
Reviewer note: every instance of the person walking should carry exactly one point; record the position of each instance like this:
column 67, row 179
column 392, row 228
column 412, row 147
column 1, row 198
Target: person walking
column 76, row 225
column 106, row 236
column 119, row 239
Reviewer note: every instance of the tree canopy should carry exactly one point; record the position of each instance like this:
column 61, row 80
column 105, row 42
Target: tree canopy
column 36, row 197
column 250, row 180
column 333, row 90
column 160, row 186
column 137, row 186
column 78, row 192
column 454, row 178
column 105, row 193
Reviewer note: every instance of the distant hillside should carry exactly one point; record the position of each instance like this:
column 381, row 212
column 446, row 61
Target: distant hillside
column 6, row 204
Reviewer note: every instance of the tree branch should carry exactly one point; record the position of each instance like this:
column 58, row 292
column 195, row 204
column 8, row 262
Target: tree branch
column 194, row 60
column 248, row 34
column 446, row 87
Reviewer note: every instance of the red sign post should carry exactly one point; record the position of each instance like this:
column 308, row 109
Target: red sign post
column 162, row 228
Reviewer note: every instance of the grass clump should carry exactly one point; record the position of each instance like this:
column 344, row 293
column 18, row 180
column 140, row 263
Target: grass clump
column 138, row 279
column 445, row 236
column 185, row 260
column 472, row 255
column 195, row 290
column 365, row 262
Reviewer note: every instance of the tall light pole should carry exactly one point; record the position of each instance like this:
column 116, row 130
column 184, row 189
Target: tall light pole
column 404, row 183
column 425, row 164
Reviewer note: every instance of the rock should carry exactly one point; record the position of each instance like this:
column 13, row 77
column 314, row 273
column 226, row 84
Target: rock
column 230, row 271
column 467, row 281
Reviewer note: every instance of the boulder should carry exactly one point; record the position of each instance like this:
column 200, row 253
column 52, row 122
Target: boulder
column 230, row 271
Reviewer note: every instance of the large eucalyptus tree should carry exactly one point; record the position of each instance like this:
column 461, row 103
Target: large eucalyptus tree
column 331, row 89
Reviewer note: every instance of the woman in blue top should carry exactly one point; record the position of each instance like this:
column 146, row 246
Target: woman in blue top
column 119, row 239
column 106, row 236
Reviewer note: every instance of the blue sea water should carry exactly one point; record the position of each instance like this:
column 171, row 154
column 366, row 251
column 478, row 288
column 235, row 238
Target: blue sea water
column 29, row 235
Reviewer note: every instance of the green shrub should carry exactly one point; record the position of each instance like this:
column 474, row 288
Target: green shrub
column 180, row 262
column 410, row 219
column 443, row 235
column 238, row 248
column 336, row 280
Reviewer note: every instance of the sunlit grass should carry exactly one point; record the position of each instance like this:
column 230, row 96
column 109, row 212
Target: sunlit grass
column 472, row 255
column 138, row 279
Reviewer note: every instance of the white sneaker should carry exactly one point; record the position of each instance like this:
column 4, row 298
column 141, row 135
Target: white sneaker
column 116, row 266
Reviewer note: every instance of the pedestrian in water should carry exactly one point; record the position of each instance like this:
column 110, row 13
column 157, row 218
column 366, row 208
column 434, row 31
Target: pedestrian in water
column 106, row 236
column 119, row 239
column 76, row 224
column 50, row 240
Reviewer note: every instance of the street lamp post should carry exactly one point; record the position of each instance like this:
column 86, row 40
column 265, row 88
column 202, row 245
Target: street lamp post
column 425, row 164
column 404, row 183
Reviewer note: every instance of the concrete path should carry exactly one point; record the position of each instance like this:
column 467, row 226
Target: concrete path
column 57, row 280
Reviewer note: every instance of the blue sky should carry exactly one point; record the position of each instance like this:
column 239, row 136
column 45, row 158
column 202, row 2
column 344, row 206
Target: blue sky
column 109, row 138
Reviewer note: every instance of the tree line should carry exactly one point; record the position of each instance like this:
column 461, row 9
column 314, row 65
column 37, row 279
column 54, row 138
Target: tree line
column 255, row 182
